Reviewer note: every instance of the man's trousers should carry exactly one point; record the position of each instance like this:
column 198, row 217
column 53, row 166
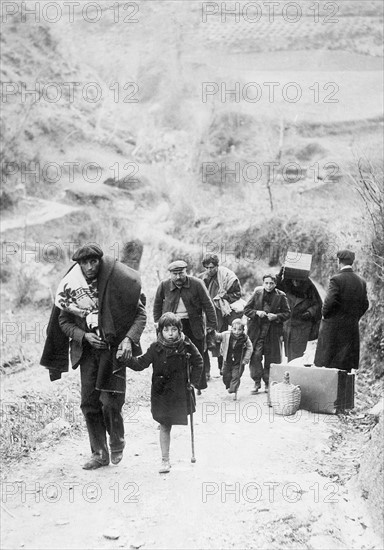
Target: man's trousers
column 272, row 354
column 101, row 409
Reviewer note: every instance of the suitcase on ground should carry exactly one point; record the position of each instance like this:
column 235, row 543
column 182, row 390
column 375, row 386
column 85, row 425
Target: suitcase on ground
column 322, row 390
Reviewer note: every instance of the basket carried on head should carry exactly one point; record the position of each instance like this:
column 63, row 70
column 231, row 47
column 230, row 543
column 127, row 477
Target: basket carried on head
column 285, row 397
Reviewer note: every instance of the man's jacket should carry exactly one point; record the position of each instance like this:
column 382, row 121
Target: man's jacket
column 279, row 305
column 196, row 300
column 121, row 314
column 338, row 346
column 346, row 296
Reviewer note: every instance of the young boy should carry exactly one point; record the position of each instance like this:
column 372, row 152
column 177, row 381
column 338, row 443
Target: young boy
column 236, row 349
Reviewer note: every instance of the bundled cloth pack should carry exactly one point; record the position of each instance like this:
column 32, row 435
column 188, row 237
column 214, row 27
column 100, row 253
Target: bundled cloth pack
column 297, row 265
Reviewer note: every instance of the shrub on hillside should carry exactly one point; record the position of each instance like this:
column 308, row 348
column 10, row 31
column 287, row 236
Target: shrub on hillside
column 8, row 170
column 272, row 240
column 228, row 171
column 250, row 275
column 228, row 130
column 370, row 184
column 6, row 270
column 310, row 151
column 26, row 284
column 7, row 201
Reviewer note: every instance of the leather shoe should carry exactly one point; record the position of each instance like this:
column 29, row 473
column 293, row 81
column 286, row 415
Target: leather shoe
column 116, row 457
column 95, row 463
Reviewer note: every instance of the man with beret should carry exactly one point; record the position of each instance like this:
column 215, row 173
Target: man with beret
column 188, row 297
column 99, row 314
column 338, row 346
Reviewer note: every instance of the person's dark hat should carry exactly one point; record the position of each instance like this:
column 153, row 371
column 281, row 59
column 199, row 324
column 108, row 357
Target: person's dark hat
column 177, row 266
column 87, row 251
column 346, row 256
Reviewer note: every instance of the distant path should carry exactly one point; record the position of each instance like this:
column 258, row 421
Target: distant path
column 44, row 211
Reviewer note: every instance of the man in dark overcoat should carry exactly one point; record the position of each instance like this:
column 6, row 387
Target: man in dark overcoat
column 338, row 346
column 188, row 297
column 267, row 309
column 100, row 316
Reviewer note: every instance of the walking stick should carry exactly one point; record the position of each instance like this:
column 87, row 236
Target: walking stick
column 190, row 390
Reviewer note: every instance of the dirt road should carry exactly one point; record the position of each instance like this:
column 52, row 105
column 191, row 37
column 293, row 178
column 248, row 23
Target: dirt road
column 255, row 485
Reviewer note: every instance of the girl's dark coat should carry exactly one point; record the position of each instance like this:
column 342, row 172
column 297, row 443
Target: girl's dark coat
column 170, row 398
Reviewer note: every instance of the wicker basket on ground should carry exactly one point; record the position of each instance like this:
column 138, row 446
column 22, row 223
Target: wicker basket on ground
column 285, row 397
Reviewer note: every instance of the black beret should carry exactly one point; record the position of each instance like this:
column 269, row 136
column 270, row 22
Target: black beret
column 177, row 266
column 87, row 251
column 346, row 256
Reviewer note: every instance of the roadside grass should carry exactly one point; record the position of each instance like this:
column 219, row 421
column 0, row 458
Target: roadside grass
column 34, row 418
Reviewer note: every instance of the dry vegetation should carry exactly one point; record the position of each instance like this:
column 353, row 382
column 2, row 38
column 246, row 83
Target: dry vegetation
column 370, row 184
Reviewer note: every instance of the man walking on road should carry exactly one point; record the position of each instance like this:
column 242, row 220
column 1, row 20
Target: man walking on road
column 224, row 289
column 338, row 346
column 267, row 309
column 188, row 297
column 101, row 317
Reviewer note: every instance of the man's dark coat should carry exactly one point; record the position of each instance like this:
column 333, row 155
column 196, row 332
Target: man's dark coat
column 196, row 300
column 346, row 301
column 279, row 306
column 119, row 289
